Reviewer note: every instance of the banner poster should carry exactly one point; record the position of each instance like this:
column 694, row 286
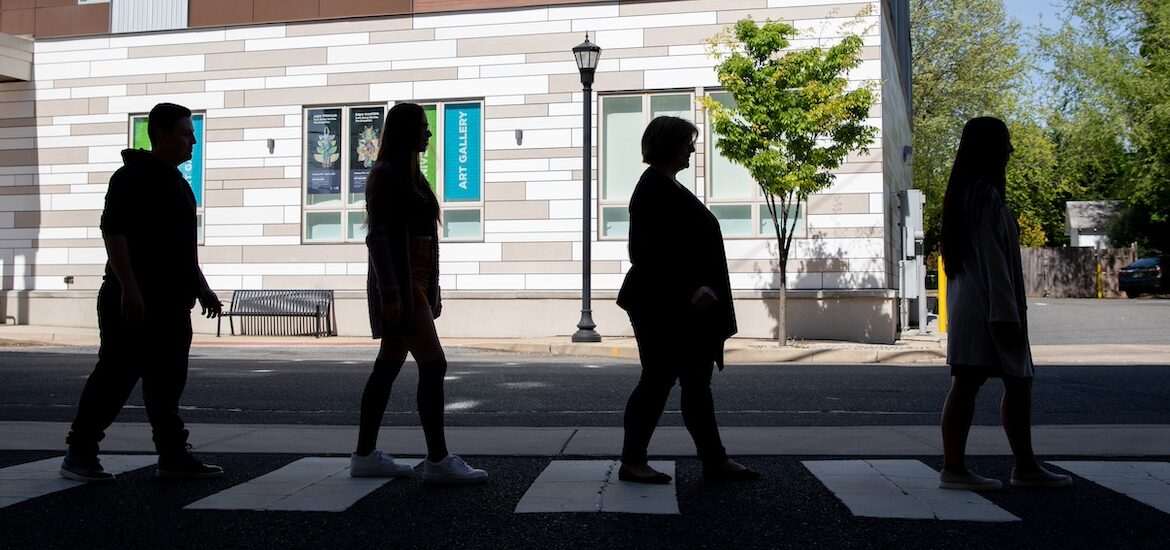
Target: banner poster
column 462, row 151
column 323, row 144
column 429, row 160
column 365, row 128
column 192, row 170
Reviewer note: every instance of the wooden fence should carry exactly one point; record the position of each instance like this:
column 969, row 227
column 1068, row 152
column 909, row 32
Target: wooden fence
column 1072, row 272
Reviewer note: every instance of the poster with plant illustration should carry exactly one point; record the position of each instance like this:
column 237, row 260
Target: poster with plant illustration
column 323, row 156
column 365, row 128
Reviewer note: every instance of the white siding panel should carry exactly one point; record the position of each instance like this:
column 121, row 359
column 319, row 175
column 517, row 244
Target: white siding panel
column 512, row 59
column 535, row 139
column 511, row 29
column 470, row 252
column 257, row 241
column 340, row 68
column 673, row 62
column 530, row 226
column 555, row 67
column 647, row 21
column 233, row 230
column 482, row 87
column 489, row 282
column 272, row 197
column 248, row 33
column 144, row 103
column 244, row 215
column 392, row 91
column 392, row 51
column 480, row 18
column 48, row 58
column 314, row 41
column 67, row 45
column 625, row 38
column 564, row 209
column 78, row 201
column 58, row 71
column 845, row 220
column 98, row 91
column 556, row 190
column 584, row 12
column 680, row 78
column 148, row 65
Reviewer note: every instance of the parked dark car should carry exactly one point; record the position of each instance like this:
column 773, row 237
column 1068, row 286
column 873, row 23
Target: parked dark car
column 1145, row 275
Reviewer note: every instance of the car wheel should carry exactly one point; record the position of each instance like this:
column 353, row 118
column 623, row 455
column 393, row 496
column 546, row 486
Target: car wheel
column 1132, row 293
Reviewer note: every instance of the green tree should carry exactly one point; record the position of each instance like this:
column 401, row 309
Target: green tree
column 967, row 62
column 794, row 120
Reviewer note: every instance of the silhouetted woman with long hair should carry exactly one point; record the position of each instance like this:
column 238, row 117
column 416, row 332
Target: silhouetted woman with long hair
column 987, row 309
column 402, row 217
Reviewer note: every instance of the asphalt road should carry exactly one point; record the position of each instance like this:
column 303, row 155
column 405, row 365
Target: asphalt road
column 1115, row 321
column 485, row 389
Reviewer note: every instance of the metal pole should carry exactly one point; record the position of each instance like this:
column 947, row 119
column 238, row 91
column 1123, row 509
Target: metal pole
column 585, row 326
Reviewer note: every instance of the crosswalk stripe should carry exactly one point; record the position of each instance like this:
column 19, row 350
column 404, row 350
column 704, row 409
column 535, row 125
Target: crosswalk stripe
column 900, row 489
column 33, row 479
column 1145, row 482
column 311, row 484
column 592, row 486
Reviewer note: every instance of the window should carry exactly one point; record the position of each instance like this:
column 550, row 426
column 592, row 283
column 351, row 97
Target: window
column 623, row 119
column 453, row 164
column 192, row 170
column 734, row 197
column 340, row 146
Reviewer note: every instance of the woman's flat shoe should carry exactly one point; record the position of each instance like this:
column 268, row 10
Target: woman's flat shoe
column 969, row 481
column 1042, row 478
column 718, row 474
column 658, row 478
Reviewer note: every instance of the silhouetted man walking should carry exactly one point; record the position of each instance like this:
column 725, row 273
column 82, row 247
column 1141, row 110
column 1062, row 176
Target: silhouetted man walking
column 144, row 306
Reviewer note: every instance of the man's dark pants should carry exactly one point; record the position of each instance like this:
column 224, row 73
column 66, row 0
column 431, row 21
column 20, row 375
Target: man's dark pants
column 154, row 350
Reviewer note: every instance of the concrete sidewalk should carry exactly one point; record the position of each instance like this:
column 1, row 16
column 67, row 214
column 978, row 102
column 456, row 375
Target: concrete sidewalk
column 927, row 349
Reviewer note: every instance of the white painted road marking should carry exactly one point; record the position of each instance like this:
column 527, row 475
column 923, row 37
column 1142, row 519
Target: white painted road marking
column 593, row 486
column 33, row 479
column 1145, row 482
column 312, row 484
column 900, row 489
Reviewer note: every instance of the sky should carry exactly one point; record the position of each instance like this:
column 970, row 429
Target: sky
column 1030, row 11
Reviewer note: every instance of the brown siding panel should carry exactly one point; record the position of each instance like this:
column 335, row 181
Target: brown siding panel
column 267, row 11
column 432, row 6
column 361, row 8
column 16, row 22
column 73, row 20
column 216, row 13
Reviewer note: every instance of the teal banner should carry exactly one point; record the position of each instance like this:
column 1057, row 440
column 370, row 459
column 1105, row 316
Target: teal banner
column 462, row 152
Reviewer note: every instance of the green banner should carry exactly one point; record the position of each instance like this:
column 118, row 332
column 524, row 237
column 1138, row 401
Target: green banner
column 429, row 161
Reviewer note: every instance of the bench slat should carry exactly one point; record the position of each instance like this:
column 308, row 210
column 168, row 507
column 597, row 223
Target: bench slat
column 266, row 308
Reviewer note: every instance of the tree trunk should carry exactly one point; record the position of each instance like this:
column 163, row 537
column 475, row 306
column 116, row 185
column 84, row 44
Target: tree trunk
column 782, row 315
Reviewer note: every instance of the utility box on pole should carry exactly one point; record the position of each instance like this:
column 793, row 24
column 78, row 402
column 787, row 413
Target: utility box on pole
column 912, row 284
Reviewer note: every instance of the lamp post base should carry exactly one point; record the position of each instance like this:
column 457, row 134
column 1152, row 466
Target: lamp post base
column 585, row 332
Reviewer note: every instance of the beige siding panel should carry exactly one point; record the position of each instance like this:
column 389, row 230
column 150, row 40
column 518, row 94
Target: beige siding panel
column 355, row 252
column 109, row 80
column 334, row 282
column 21, row 109
column 838, row 204
column 18, row 157
column 95, row 242
column 504, row 191
column 64, row 155
column 609, row 82
column 274, row 172
column 185, row 49
column 225, row 135
column 24, row 122
column 20, row 190
column 99, row 106
column 547, row 98
column 357, row 25
column 505, row 154
column 99, row 128
column 516, row 210
column 678, row 36
column 552, row 42
column 233, row 99
column 282, row 230
column 245, row 122
column 60, row 218
column 230, row 73
column 548, row 252
column 261, row 184
column 412, row 35
column 847, row 233
column 618, row 53
column 226, row 197
column 685, row 6
column 137, row 89
column 175, row 87
column 859, row 168
column 507, row 267
column 100, row 177
column 440, row 73
column 306, row 96
column 275, row 58
column 77, row 270
column 8, row 94
column 221, row 255
column 843, row 12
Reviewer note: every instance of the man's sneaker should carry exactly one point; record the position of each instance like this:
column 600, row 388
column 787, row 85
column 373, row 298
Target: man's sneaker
column 1039, row 478
column 87, row 468
column 183, row 464
column 452, row 470
column 968, row 481
column 377, row 464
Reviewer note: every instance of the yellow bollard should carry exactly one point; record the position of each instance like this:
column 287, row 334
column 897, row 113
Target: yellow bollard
column 942, row 296
column 1100, row 282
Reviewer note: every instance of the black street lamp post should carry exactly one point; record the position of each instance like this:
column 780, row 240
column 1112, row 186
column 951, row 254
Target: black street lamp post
column 587, row 54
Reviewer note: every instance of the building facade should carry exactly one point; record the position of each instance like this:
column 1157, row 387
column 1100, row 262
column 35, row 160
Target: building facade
column 289, row 97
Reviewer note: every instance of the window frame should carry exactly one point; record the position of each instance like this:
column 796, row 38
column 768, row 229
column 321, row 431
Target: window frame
column 438, row 135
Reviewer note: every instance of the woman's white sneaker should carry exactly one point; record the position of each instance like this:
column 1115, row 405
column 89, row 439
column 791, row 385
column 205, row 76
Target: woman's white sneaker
column 377, row 464
column 452, row 470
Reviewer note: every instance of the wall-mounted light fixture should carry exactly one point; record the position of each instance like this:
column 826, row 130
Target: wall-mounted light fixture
column 271, row 146
column 68, row 279
column 519, row 136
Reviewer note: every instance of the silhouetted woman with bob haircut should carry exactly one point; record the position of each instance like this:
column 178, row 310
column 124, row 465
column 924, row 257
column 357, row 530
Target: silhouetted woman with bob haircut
column 678, row 296
column 988, row 323
column 402, row 218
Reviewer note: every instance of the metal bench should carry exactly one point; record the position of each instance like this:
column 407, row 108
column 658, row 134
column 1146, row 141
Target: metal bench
column 281, row 313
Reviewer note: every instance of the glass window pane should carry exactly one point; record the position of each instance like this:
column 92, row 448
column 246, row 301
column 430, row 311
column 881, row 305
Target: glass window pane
column 462, row 224
column 462, row 152
column 323, row 156
column 365, row 128
column 323, row 226
column 734, row 220
column 199, row 227
column 678, row 105
column 615, row 221
column 728, row 180
column 621, row 146
column 768, row 229
column 356, row 228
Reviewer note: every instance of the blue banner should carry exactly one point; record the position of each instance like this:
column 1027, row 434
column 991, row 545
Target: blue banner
column 192, row 170
column 462, row 152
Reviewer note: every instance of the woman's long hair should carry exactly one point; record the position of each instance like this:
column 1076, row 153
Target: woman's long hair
column 980, row 165
column 397, row 160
